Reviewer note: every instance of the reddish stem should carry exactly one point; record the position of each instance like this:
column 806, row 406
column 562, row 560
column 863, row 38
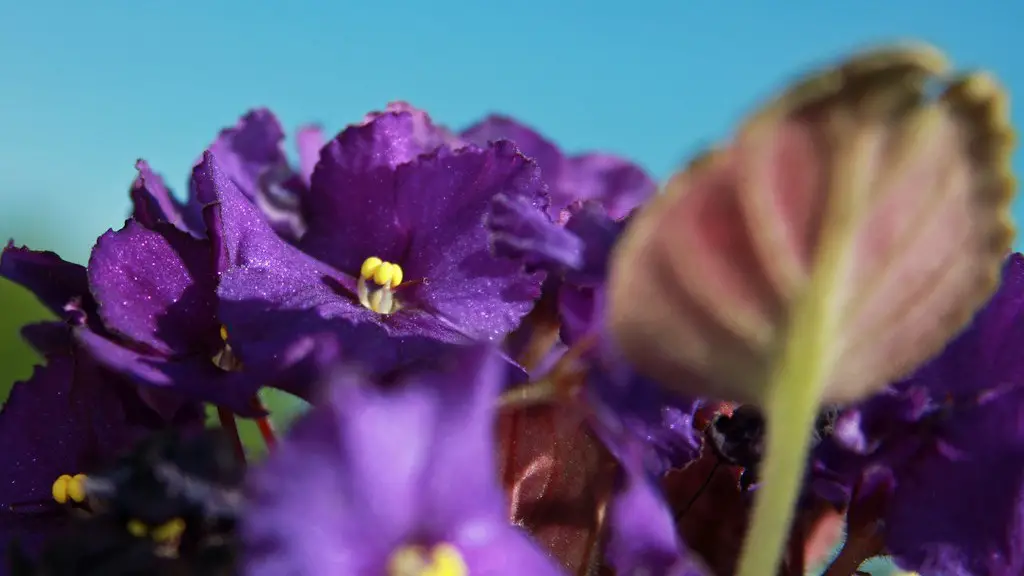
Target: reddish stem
column 227, row 422
column 265, row 425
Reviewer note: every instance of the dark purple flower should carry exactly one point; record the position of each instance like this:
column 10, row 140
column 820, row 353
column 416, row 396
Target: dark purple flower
column 156, row 290
column 69, row 418
column 950, row 438
column 252, row 155
column 400, row 479
column 617, row 184
column 399, row 245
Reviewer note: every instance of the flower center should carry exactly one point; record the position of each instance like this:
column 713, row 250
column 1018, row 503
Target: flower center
column 69, row 488
column 225, row 359
column 386, row 276
column 441, row 560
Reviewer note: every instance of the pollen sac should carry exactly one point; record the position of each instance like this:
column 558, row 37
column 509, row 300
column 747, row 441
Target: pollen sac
column 441, row 560
column 69, row 488
column 225, row 359
column 385, row 277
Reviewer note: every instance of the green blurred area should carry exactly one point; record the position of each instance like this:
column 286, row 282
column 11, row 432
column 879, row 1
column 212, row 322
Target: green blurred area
column 19, row 307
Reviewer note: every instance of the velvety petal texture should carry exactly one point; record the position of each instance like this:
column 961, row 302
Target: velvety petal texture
column 351, row 487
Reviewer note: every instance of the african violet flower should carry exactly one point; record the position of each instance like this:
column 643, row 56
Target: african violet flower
column 615, row 183
column 69, row 418
column 398, row 481
column 395, row 238
column 950, row 442
column 251, row 155
column 156, row 300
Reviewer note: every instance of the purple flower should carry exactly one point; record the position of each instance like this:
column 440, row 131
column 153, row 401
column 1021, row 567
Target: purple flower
column 642, row 536
column 69, row 418
column 949, row 436
column 401, row 478
column 617, row 184
column 252, row 156
column 395, row 239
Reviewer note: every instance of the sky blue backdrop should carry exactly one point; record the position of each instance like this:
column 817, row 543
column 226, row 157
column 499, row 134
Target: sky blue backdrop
column 86, row 87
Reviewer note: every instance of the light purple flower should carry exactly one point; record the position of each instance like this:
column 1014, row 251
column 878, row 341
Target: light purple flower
column 374, row 478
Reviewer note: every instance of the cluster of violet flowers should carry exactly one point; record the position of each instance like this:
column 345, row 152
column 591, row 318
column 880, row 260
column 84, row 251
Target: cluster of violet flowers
column 438, row 297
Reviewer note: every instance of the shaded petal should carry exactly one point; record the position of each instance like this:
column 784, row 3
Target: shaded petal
column 598, row 233
column 503, row 550
column 248, row 150
column 617, row 184
column 54, row 281
column 342, row 489
column 546, row 155
column 522, row 229
column 310, row 140
column 448, row 194
column 961, row 501
column 195, row 377
column 461, row 476
column 153, row 202
column 642, row 529
column 157, row 287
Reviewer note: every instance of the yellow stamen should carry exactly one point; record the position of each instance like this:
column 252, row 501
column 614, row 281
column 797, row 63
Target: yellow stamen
column 225, row 358
column 137, row 528
column 169, row 531
column 69, row 488
column 387, row 276
column 369, row 267
column 441, row 560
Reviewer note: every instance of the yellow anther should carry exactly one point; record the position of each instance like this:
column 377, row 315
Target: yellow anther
column 137, row 528
column 76, row 488
column 383, row 274
column 396, row 275
column 67, row 487
column 169, row 531
column 442, row 560
column 60, row 488
column 223, row 332
column 370, row 266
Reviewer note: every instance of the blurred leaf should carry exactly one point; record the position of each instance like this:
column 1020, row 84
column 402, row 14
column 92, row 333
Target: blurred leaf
column 16, row 358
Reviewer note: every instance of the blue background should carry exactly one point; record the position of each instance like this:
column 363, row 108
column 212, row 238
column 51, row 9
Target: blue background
column 87, row 87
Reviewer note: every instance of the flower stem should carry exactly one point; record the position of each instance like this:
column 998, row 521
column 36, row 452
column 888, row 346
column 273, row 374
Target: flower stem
column 264, row 424
column 227, row 422
column 793, row 398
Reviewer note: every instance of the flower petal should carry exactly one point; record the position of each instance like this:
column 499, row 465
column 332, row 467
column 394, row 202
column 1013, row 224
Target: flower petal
column 153, row 202
column 157, row 287
column 343, row 488
column 310, row 140
column 522, row 229
column 194, row 377
column 615, row 183
column 448, row 193
column 54, row 281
